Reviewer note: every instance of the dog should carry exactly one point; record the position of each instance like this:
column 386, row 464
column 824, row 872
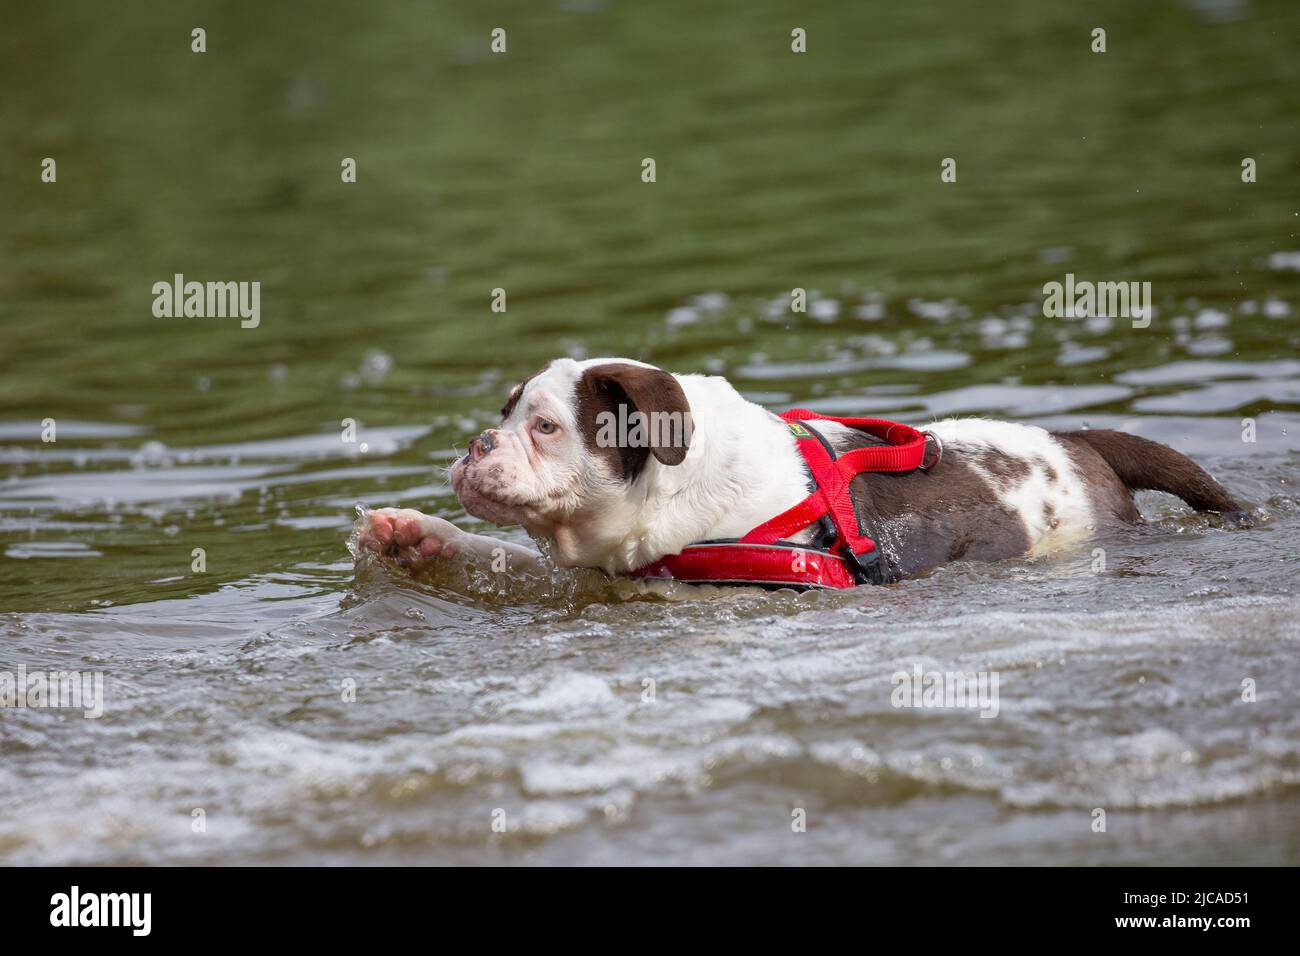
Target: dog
column 562, row 465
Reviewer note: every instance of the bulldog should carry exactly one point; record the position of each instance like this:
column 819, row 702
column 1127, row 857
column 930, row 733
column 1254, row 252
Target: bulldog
column 613, row 464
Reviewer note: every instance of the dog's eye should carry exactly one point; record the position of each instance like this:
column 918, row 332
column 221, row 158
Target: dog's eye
column 546, row 427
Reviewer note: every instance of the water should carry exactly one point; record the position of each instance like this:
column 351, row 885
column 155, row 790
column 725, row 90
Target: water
column 1120, row 688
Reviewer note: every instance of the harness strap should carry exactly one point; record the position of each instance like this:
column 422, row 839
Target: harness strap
column 904, row 449
column 851, row 559
column 833, row 476
column 730, row 562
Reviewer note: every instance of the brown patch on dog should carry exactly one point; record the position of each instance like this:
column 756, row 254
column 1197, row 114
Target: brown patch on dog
column 922, row 519
column 603, row 389
column 1010, row 469
column 517, row 392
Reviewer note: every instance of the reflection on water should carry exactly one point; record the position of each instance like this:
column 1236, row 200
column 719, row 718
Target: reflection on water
column 1121, row 685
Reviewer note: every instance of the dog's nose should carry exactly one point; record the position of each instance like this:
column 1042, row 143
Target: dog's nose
column 481, row 445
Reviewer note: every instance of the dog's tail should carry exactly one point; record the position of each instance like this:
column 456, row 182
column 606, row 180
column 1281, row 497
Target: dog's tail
column 1143, row 464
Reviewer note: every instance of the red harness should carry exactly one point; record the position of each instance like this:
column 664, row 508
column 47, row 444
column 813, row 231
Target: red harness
column 764, row 556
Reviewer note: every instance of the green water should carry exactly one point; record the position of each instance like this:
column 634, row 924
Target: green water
column 522, row 171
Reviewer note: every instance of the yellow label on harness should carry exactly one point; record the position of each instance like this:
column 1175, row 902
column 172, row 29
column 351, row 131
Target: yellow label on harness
column 799, row 430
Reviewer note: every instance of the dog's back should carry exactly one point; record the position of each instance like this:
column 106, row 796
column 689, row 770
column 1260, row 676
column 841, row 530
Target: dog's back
column 1002, row 489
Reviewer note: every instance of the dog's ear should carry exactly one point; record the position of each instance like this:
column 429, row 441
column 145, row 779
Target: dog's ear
column 657, row 395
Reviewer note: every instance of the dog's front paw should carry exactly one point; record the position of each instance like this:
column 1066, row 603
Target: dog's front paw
column 410, row 537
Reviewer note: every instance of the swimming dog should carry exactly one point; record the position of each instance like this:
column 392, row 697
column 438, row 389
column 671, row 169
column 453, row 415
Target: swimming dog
column 614, row 464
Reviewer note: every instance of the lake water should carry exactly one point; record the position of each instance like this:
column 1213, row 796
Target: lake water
column 1156, row 680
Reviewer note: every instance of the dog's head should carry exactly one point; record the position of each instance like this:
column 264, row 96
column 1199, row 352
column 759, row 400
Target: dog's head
column 574, row 448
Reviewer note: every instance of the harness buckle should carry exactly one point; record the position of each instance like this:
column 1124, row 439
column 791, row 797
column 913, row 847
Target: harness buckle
column 868, row 567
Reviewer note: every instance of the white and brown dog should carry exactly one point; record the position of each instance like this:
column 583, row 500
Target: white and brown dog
column 561, row 466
